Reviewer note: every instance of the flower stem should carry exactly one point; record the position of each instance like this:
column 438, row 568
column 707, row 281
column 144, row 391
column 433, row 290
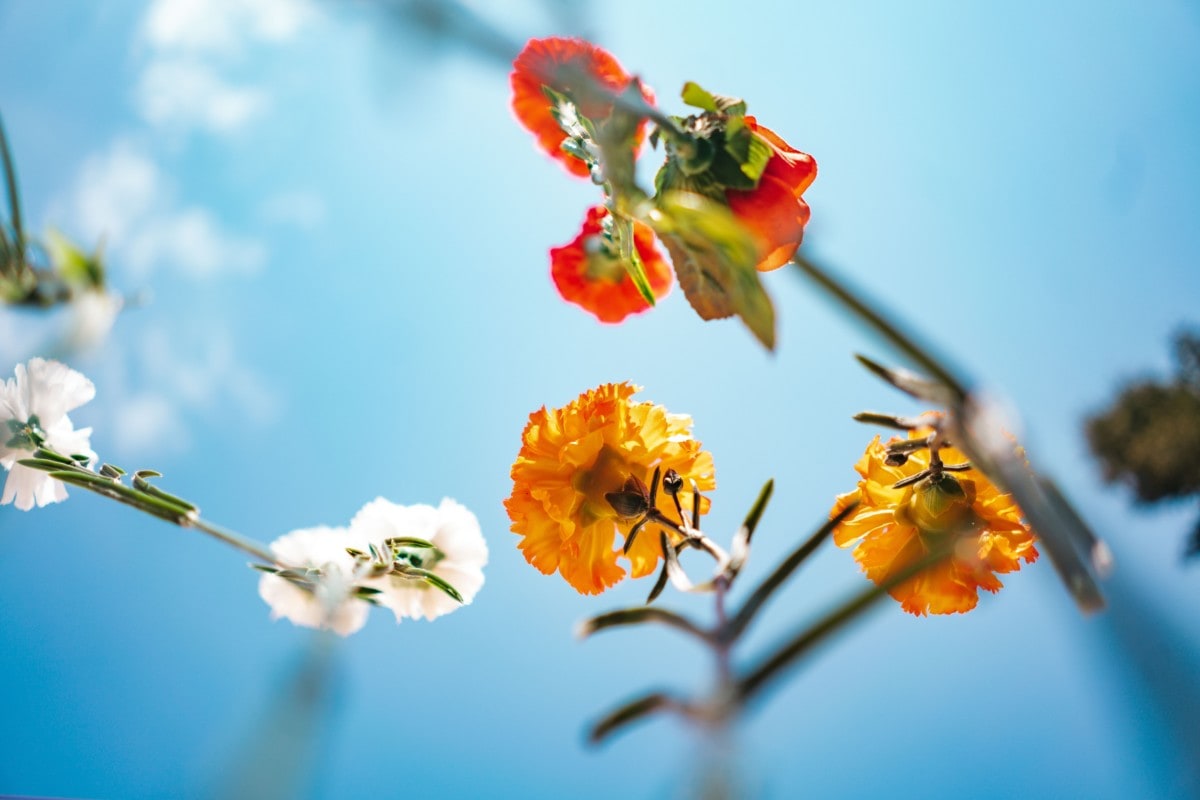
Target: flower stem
column 233, row 539
column 143, row 496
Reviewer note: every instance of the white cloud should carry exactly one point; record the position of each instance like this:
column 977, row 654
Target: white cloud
column 192, row 241
column 148, row 424
column 115, row 190
column 304, row 209
column 123, row 198
column 189, row 94
column 189, row 40
column 216, row 26
column 200, row 380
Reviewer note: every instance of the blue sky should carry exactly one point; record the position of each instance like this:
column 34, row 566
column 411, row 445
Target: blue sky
column 340, row 236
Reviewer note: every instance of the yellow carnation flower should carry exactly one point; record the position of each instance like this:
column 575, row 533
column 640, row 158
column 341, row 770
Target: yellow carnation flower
column 572, row 457
column 895, row 528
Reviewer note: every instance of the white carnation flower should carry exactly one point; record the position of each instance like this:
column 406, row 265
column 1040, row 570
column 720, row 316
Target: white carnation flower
column 35, row 403
column 320, row 591
column 458, row 556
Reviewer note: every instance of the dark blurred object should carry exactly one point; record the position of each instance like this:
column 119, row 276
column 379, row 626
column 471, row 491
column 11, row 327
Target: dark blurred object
column 1149, row 438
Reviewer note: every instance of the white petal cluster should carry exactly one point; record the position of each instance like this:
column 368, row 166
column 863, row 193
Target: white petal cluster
column 42, row 392
column 329, row 602
column 461, row 554
column 327, row 596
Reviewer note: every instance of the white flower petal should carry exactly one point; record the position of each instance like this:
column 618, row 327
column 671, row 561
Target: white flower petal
column 331, row 605
column 26, row 487
column 50, row 389
column 452, row 529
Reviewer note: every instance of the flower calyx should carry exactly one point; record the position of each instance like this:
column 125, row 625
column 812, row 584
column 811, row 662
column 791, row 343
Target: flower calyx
column 713, row 150
column 407, row 557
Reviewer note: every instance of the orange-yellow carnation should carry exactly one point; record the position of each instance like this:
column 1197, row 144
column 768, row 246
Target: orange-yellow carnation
column 571, row 457
column 589, row 276
column 896, row 528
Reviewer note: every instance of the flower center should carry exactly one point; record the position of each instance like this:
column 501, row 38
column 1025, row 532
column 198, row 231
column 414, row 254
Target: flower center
column 26, row 435
column 938, row 505
column 603, row 264
column 419, row 557
column 608, row 473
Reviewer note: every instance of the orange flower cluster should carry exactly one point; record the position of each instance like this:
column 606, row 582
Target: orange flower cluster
column 572, row 457
column 773, row 210
column 894, row 529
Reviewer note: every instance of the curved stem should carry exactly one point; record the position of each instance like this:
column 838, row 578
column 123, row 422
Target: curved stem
column 721, row 645
column 235, row 540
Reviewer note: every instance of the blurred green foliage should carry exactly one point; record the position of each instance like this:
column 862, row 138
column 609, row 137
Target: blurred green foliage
column 1149, row 437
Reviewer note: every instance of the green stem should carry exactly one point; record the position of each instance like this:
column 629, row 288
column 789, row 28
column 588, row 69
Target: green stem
column 149, row 500
column 14, row 198
column 235, row 540
column 877, row 320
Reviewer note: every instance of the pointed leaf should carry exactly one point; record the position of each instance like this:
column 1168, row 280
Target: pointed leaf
column 740, row 549
column 631, row 712
column 714, row 258
column 890, row 330
column 697, row 97
column 622, row 231
column 745, row 615
column 14, row 196
column 638, row 616
column 436, row 581
column 801, row 644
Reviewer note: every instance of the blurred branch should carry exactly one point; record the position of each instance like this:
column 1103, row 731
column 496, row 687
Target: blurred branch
column 745, row 615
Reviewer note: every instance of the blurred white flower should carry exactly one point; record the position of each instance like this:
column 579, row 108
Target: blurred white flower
column 316, row 590
column 34, row 405
column 458, row 556
column 92, row 317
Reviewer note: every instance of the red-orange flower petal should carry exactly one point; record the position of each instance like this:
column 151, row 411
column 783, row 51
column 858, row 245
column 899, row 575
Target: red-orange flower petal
column 596, row 281
column 774, row 212
column 550, row 62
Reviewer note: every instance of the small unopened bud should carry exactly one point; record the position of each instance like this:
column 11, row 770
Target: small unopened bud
column 896, row 459
column 672, row 482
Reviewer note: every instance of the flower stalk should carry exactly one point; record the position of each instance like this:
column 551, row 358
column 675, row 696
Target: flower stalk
column 142, row 495
column 732, row 689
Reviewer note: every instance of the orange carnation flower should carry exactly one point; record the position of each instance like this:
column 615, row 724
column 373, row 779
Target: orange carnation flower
column 572, row 457
column 557, row 63
column 897, row 528
column 588, row 274
column 774, row 212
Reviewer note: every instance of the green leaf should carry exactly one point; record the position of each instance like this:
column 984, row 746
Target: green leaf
column 874, row 317
column 637, row 616
column 745, row 615
column 14, row 196
column 748, row 149
column 631, row 258
column 910, row 383
column 751, row 684
column 631, row 712
column 740, row 548
column 74, row 266
column 697, row 97
column 436, row 581
column 714, row 258
column 408, row 541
